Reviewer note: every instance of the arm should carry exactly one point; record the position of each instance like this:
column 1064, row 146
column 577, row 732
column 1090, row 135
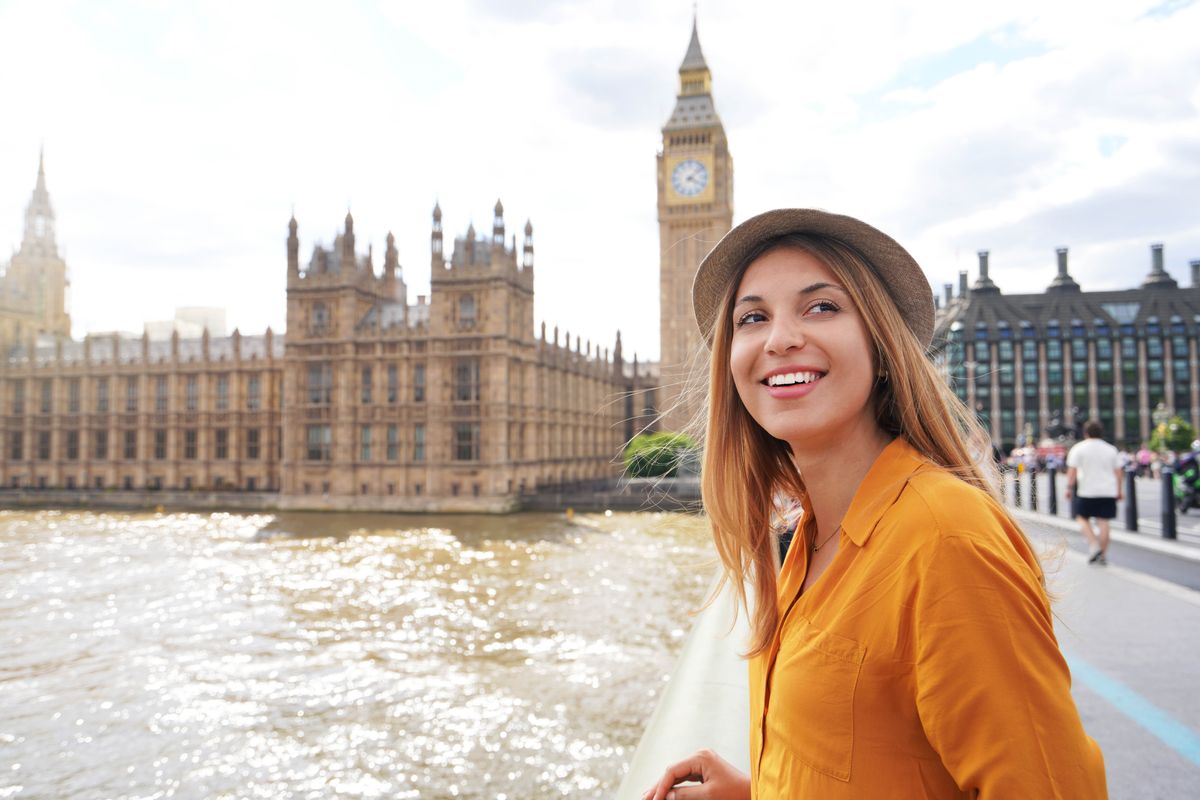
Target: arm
column 1120, row 473
column 1072, row 477
column 993, row 689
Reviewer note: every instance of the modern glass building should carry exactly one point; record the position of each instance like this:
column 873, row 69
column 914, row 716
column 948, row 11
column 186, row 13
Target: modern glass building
column 1039, row 365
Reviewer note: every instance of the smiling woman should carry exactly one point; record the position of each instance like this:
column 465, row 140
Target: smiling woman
column 908, row 621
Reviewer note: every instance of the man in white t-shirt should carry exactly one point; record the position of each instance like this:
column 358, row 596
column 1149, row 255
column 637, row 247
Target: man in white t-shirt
column 1094, row 486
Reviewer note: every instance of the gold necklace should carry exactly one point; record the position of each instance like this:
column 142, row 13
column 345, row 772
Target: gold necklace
column 817, row 546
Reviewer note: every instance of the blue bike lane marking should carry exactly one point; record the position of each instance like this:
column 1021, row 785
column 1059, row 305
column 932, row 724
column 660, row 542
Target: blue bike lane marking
column 1167, row 729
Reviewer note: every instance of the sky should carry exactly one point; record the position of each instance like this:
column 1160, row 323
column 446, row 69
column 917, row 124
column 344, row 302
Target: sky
column 180, row 137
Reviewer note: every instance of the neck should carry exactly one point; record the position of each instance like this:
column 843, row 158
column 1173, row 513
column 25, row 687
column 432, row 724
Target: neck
column 833, row 471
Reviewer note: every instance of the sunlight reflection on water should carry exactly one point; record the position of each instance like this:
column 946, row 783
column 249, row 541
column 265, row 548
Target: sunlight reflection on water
column 228, row 655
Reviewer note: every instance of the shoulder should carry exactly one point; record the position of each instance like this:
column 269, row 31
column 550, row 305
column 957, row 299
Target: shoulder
column 944, row 517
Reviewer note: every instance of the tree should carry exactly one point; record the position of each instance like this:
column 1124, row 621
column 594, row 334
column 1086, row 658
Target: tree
column 1175, row 435
column 655, row 455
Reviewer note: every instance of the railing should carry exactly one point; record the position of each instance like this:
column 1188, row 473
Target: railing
column 1042, row 490
column 705, row 704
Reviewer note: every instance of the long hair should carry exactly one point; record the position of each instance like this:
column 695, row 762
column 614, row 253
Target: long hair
column 745, row 469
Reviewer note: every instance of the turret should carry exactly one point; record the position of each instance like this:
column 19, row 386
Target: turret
column 348, row 244
column 437, row 259
column 391, row 262
column 527, row 258
column 498, row 225
column 293, row 247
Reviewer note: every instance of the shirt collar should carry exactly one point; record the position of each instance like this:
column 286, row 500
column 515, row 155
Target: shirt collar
column 880, row 489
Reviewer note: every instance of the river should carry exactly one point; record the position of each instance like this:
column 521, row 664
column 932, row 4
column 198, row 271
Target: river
column 181, row 655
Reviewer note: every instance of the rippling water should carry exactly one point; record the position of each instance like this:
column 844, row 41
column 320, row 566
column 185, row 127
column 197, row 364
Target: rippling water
column 320, row 655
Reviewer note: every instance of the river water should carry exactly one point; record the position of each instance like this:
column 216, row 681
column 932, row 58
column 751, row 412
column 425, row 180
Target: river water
column 321, row 655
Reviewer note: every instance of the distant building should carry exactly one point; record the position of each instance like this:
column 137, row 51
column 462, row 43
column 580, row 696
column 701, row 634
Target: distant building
column 695, row 209
column 33, row 289
column 1038, row 365
column 189, row 323
column 452, row 403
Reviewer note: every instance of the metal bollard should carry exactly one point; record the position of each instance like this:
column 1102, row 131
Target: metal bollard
column 1168, row 503
column 1053, row 501
column 1033, row 490
column 1017, row 485
column 1131, row 517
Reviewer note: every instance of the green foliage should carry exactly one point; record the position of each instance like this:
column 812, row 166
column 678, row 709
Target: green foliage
column 654, row 455
column 1175, row 435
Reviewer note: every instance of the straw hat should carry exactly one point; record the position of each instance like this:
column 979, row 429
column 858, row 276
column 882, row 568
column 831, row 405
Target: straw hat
column 897, row 271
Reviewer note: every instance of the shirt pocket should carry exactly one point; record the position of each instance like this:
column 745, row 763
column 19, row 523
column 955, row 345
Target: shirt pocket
column 811, row 710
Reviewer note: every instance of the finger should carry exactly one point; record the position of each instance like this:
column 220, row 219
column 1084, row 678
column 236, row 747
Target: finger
column 691, row 769
column 689, row 793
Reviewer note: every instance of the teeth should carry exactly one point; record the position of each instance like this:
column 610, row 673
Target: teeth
column 790, row 378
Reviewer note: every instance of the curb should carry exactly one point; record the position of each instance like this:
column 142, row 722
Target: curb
column 1183, row 551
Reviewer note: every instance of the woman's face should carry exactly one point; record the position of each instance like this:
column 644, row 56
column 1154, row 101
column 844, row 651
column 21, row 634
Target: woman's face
column 801, row 358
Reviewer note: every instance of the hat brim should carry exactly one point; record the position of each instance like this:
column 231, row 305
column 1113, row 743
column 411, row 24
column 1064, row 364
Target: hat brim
column 899, row 273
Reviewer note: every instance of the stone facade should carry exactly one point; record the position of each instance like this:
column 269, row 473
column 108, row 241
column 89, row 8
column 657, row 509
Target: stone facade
column 695, row 209
column 451, row 403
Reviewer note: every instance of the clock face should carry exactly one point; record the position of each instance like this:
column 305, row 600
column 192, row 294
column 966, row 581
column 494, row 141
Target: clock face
column 689, row 177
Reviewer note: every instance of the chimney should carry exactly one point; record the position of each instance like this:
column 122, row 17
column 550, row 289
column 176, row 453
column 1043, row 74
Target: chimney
column 984, row 284
column 1063, row 282
column 962, row 284
column 949, row 289
column 1158, row 277
column 1195, row 265
column 937, row 303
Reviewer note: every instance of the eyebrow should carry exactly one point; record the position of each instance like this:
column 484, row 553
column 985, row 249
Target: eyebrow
column 816, row 287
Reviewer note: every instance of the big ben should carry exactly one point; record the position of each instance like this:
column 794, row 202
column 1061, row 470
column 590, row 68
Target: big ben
column 695, row 209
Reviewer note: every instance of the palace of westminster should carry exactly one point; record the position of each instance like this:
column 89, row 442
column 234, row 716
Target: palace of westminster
column 457, row 403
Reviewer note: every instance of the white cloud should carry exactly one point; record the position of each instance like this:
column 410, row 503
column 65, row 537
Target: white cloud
column 179, row 137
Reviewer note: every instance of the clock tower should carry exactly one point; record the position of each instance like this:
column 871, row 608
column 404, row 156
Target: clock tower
column 695, row 209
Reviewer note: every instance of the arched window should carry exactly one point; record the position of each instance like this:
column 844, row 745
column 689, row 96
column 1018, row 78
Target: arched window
column 466, row 311
column 319, row 319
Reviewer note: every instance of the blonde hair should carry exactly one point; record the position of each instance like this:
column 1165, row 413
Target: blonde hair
column 745, row 469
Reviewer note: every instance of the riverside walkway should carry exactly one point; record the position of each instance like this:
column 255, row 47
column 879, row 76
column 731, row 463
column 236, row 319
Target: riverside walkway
column 1130, row 631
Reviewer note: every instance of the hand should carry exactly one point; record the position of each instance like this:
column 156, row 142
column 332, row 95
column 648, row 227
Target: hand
column 719, row 780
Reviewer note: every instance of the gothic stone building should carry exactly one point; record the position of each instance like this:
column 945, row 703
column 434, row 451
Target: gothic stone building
column 1039, row 365
column 368, row 402
column 695, row 209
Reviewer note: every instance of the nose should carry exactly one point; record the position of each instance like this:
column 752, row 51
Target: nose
column 784, row 335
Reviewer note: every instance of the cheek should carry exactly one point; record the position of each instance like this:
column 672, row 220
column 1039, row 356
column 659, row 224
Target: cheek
column 741, row 365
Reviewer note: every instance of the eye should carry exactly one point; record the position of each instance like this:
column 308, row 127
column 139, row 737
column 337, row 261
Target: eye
column 749, row 317
column 824, row 307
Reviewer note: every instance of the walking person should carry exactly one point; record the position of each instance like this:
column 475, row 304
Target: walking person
column 1094, row 485
column 905, row 646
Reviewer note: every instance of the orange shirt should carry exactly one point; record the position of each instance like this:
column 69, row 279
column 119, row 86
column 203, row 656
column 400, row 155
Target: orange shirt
column 922, row 663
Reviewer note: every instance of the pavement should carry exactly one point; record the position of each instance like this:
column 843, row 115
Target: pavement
column 1131, row 633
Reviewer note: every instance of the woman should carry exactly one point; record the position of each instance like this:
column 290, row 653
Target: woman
column 905, row 646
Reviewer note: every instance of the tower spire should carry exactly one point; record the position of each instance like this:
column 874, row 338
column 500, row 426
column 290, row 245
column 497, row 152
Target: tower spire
column 39, row 216
column 694, row 59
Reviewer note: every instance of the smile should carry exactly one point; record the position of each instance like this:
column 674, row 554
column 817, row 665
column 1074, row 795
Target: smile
column 793, row 378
